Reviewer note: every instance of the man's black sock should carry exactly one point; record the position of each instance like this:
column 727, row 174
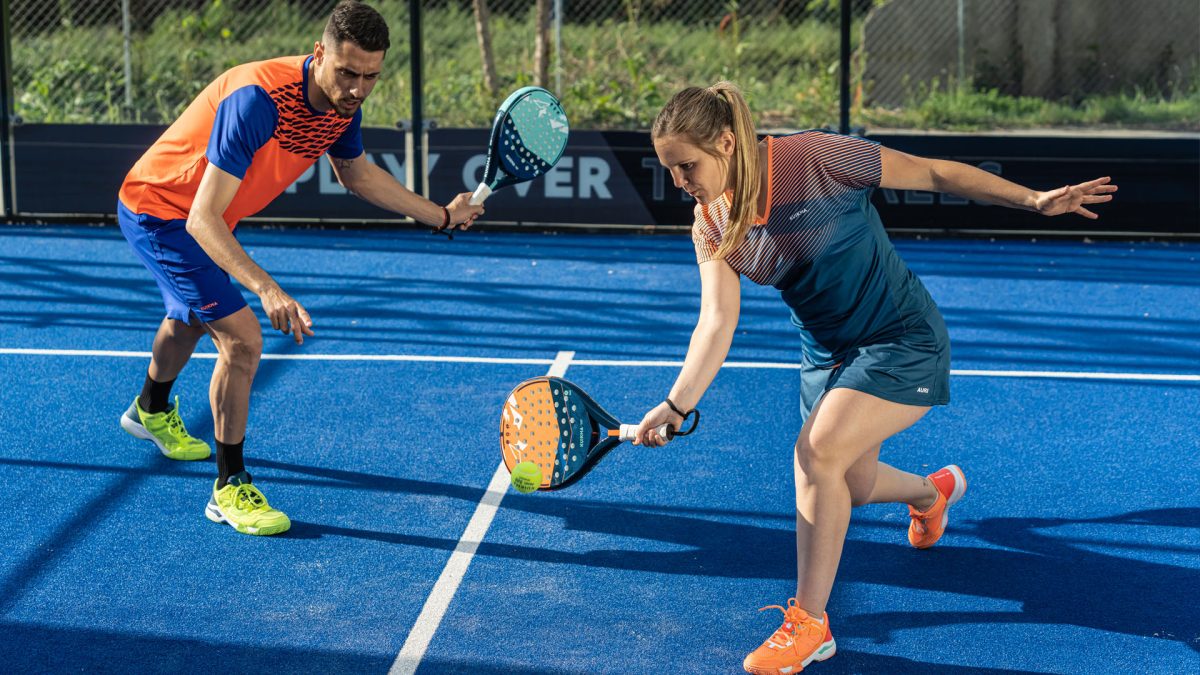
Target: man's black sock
column 229, row 461
column 156, row 396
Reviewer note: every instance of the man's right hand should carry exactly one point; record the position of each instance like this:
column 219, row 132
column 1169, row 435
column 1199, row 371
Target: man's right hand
column 287, row 315
column 462, row 212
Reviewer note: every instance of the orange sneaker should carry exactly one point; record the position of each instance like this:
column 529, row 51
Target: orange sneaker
column 927, row 526
column 798, row 642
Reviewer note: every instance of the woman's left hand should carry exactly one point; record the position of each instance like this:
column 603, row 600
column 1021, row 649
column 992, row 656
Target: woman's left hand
column 1072, row 198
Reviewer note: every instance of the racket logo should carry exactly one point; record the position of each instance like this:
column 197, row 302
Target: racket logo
column 513, row 417
column 511, row 414
column 558, row 120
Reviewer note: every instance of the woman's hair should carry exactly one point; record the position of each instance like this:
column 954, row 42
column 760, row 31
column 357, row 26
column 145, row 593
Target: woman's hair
column 357, row 23
column 699, row 115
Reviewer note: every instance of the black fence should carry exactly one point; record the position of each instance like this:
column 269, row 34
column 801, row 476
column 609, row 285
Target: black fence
column 609, row 176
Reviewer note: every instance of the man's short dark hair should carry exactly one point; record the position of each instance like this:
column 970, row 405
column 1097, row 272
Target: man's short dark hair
column 355, row 22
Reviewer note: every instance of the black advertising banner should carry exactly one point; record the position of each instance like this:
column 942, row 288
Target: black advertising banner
column 612, row 178
column 1158, row 176
column 603, row 178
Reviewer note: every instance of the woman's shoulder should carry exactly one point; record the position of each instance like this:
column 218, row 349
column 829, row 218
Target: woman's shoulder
column 806, row 138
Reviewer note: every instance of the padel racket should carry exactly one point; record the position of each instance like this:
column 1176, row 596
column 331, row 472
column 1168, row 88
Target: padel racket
column 528, row 136
column 554, row 424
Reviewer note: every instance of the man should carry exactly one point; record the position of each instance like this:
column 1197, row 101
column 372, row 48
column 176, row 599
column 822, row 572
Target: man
column 240, row 144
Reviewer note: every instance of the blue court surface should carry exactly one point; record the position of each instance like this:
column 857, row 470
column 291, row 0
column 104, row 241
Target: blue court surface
column 1075, row 398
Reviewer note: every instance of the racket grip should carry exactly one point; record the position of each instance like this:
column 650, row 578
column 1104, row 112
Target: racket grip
column 629, row 432
column 481, row 193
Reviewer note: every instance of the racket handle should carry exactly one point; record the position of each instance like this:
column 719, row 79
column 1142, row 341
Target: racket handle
column 629, row 432
column 481, row 193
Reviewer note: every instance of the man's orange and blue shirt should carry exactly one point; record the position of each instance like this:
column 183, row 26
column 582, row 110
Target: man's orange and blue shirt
column 254, row 122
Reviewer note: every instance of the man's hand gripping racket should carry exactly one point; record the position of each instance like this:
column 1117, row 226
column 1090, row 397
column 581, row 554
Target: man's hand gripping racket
column 554, row 424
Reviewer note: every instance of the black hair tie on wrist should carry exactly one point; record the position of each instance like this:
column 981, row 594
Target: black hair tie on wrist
column 693, row 412
column 672, row 406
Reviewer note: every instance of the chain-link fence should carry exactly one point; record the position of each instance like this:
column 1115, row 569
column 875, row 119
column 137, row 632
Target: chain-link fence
column 969, row 64
column 616, row 62
column 977, row 64
column 106, row 61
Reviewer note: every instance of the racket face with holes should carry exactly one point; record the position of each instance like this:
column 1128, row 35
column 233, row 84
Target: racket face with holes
column 529, row 135
column 552, row 423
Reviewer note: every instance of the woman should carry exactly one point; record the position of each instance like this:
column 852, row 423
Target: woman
column 794, row 212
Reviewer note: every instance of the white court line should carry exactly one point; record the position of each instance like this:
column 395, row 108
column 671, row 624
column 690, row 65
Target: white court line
column 1156, row 377
column 456, row 568
column 1078, row 375
column 286, row 357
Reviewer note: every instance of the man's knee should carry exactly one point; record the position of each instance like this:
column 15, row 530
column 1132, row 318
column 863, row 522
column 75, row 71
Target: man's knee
column 241, row 350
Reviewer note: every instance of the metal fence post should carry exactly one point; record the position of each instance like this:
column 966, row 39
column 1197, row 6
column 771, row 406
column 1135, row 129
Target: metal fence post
column 558, row 10
column 8, row 192
column 415, row 160
column 962, row 68
column 125, row 31
column 844, row 122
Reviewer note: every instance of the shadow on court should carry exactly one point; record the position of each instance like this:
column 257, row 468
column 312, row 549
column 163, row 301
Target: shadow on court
column 1141, row 263
column 1166, row 263
column 50, row 649
column 850, row 662
column 1056, row 579
column 108, row 499
column 364, row 290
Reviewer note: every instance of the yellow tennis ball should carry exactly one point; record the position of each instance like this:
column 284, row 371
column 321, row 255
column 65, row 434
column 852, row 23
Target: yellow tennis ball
column 526, row 477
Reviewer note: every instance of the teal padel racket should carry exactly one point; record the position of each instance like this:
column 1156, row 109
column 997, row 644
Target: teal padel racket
column 528, row 136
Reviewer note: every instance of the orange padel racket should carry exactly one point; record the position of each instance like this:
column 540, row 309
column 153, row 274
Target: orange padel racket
column 554, row 424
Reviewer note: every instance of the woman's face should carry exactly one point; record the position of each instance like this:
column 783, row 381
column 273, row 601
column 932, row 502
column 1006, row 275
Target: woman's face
column 702, row 175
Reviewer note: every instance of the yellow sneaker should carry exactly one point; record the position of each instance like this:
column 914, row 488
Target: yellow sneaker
column 244, row 508
column 798, row 642
column 166, row 430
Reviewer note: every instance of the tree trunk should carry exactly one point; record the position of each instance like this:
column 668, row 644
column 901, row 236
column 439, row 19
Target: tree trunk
column 541, row 52
column 484, row 34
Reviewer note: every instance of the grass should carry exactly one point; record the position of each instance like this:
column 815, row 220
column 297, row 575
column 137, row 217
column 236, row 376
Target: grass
column 615, row 74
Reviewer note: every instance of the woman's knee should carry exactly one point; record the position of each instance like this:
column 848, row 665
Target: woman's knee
column 819, row 461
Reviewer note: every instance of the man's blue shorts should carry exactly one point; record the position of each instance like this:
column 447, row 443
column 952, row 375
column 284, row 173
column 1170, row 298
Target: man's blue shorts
column 914, row 369
column 189, row 280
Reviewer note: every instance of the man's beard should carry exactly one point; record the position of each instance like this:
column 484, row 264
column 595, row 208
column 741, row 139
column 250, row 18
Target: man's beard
column 347, row 114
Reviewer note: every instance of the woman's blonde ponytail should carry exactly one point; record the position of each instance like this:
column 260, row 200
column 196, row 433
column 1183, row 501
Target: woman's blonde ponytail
column 744, row 172
column 699, row 116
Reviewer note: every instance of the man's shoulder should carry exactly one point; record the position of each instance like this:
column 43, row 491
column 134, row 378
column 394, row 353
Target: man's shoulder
column 269, row 74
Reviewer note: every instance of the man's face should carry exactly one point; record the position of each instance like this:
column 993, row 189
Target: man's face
column 346, row 74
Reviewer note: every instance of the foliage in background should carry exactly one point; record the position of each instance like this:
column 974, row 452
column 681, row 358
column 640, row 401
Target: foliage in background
column 616, row 71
